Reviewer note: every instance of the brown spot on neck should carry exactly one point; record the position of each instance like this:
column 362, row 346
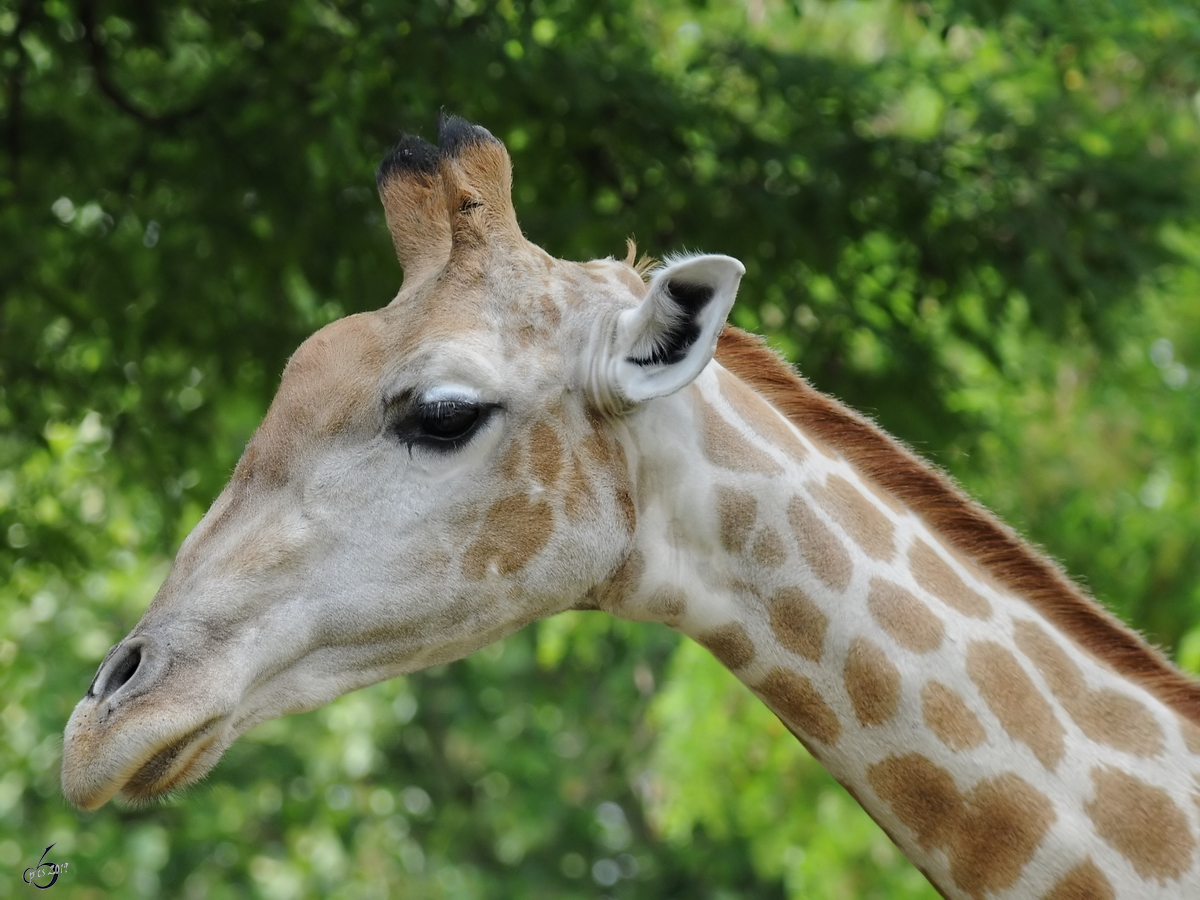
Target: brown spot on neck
column 862, row 520
column 1191, row 735
column 762, row 418
column 725, row 446
column 1014, row 699
column 598, row 443
column 1105, row 716
column 609, row 455
column 935, row 575
column 989, row 834
column 798, row 623
column 626, row 506
column 737, row 512
column 821, row 550
column 799, row 705
column 613, row 593
column 909, row 622
column 872, row 682
column 950, row 718
column 1142, row 823
column 769, row 549
column 551, row 318
column 730, row 644
column 1084, row 882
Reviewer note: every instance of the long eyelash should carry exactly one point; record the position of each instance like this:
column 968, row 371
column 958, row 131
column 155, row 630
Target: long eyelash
column 407, row 427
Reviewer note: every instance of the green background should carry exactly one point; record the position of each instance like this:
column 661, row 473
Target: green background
column 976, row 221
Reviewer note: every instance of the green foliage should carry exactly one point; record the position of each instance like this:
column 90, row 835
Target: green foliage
column 977, row 221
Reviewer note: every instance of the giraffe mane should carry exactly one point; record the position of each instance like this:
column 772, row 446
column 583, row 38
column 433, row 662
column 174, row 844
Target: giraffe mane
column 966, row 525
column 642, row 265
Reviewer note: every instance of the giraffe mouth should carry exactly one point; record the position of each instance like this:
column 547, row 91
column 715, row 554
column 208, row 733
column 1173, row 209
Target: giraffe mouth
column 181, row 762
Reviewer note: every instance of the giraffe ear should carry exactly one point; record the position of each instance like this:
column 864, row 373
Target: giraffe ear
column 663, row 343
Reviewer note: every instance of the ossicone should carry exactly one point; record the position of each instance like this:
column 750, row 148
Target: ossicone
column 453, row 198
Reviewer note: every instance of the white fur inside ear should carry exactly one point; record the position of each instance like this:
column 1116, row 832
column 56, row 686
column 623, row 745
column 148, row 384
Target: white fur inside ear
column 663, row 343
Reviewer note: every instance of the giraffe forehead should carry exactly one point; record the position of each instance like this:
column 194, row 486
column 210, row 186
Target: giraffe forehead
column 329, row 387
column 516, row 286
column 343, row 359
column 339, row 382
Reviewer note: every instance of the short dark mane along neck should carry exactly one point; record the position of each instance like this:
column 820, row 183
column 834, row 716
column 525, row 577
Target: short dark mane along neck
column 963, row 523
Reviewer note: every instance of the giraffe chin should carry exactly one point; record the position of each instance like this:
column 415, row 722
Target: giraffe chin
column 154, row 773
column 180, row 763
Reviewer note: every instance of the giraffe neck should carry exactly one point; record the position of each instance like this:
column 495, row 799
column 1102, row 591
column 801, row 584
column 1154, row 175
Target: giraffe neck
column 999, row 755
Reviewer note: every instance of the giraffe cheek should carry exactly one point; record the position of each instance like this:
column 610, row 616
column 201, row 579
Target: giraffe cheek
column 514, row 530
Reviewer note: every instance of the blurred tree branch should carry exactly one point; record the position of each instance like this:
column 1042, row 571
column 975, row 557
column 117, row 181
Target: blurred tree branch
column 104, row 80
column 16, row 85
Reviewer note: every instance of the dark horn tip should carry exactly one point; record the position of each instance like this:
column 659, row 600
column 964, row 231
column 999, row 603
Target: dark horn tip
column 456, row 133
column 412, row 155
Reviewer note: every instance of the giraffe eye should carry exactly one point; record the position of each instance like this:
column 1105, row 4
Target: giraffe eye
column 442, row 425
column 448, row 420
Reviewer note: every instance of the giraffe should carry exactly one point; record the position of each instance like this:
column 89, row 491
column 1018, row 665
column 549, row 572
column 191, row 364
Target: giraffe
column 515, row 435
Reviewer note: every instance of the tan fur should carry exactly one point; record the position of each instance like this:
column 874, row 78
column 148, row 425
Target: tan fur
column 911, row 623
column 1142, row 823
column 988, row 834
column 935, row 575
column 872, row 681
column 862, row 520
column 769, row 549
column 477, row 191
column 725, row 446
column 1191, row 735
column 1014, row 699
column 515, row 529
column 1103, row 715
column 731, row 645
column 737, row 511
column 798, row 623
column 415, row 210
column 765, row 422
column 800, row 704
column 821, row 550
column 949, row 717
column 546, row 454
column 1084, row 882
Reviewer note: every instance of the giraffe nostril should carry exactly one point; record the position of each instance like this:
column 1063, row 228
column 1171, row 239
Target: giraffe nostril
column 126, row 666
column 117, row 671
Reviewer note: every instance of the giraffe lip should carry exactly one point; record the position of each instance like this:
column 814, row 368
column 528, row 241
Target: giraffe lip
column 178, row 763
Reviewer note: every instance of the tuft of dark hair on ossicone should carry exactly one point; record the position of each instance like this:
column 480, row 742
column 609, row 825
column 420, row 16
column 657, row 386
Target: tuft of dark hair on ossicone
column 456, row 134
column 412, row 155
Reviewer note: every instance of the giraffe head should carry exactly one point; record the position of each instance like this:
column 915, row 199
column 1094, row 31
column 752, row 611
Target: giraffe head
column 430, row 477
